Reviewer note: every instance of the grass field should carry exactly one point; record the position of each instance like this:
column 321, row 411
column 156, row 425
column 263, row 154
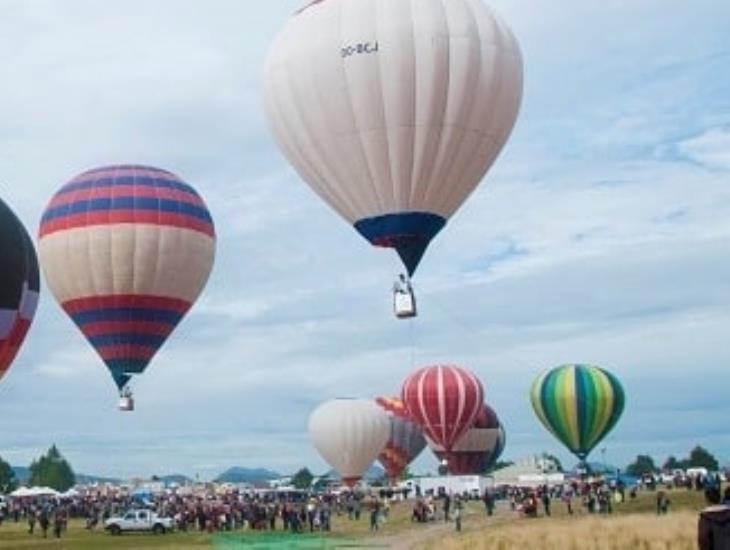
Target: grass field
column 634, row 525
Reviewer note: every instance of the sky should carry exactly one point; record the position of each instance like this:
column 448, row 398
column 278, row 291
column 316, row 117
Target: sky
column 601, row 235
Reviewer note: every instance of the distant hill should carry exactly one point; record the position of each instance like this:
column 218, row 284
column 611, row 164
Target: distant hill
column 238, row 474
column 85, row 479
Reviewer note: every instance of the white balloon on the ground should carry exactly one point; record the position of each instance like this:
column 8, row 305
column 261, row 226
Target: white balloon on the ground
column 349, row 434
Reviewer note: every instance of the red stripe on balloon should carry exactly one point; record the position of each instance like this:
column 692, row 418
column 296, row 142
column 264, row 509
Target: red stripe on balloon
column 112, row 217
column 125, row 351
column 125, row 301
column 137, row 327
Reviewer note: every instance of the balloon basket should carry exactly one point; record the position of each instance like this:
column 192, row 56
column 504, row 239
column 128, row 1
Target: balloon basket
column 126, row 403
column 404, row 304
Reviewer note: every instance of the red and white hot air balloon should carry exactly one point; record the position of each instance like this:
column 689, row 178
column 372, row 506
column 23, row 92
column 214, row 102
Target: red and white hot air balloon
column 406, row 438
column 444, row 400
column 478, row 449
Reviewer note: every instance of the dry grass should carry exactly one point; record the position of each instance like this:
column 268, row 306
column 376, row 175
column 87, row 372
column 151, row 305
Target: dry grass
column 676, row 531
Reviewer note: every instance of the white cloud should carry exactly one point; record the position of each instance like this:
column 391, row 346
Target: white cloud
column 710, row 149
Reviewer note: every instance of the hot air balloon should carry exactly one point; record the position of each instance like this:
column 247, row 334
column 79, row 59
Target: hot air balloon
column 349, row 434
column 478, row 449
column 393, row 111
column 19, row 286
column 126, row 250
column 578, row 404
column 406, row 438
column 445, row 400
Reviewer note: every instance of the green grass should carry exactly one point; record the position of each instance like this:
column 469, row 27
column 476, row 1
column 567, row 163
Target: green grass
column 344, row 533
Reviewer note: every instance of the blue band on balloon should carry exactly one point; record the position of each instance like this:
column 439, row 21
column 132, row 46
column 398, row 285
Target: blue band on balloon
column 408, row 232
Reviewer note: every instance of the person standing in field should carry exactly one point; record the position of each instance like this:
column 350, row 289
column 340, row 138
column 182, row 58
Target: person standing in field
column 31, row 520
column 713, row 527
column 458, row 510
column 489, row 502
column 568, row 500
column 662, row 503
column 447, row 506
column 546, row 500
column 374, row 514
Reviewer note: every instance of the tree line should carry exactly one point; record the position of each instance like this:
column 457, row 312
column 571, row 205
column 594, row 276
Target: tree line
column 699, row 457
column 49, row 470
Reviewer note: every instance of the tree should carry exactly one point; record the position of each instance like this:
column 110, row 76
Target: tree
column 671, row 463
column 555, row 459
column 320, row 485
column 52, row 470
column 407, row 474
column 8, row 482
column 700, row 457
column 644, row 464
column 302, row 479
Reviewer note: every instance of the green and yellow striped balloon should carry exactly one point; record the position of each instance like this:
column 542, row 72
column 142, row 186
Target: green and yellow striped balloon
column 579, row 404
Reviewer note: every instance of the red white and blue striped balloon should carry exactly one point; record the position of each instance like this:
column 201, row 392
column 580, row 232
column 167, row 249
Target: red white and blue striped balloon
column 444, row 400
column 478, row 449
column 126, row 250
column 19, row 286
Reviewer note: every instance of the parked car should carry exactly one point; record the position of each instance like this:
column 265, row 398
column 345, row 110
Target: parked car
column 138, row 520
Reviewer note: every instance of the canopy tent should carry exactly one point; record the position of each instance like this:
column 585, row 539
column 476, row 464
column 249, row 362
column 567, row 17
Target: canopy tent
column 34, row 492
column 21, row 492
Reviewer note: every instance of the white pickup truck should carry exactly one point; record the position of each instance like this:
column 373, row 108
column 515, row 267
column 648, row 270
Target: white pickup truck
column 138, row 520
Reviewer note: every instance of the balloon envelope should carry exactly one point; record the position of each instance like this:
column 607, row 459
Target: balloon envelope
column 349, row 434
column 126, row 250
column 444, row 400
column 406, row 439
column 478, row 449
column 393, row 110
column 578, row 404
column 19, row 286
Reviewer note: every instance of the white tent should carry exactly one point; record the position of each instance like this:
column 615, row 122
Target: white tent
column 43, row 492
column 22, row 492
column 70, row 493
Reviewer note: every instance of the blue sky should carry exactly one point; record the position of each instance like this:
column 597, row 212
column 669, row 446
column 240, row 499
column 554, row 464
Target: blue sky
column 601, row 235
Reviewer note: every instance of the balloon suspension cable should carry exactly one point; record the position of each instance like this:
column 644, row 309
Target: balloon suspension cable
column 412, row 337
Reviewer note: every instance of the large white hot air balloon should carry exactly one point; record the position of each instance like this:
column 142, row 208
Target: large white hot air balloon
column 393, row 110
column 349, row 434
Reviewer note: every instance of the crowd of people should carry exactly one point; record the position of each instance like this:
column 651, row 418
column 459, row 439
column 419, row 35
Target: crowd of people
column 301, row 512
column 209, row 513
